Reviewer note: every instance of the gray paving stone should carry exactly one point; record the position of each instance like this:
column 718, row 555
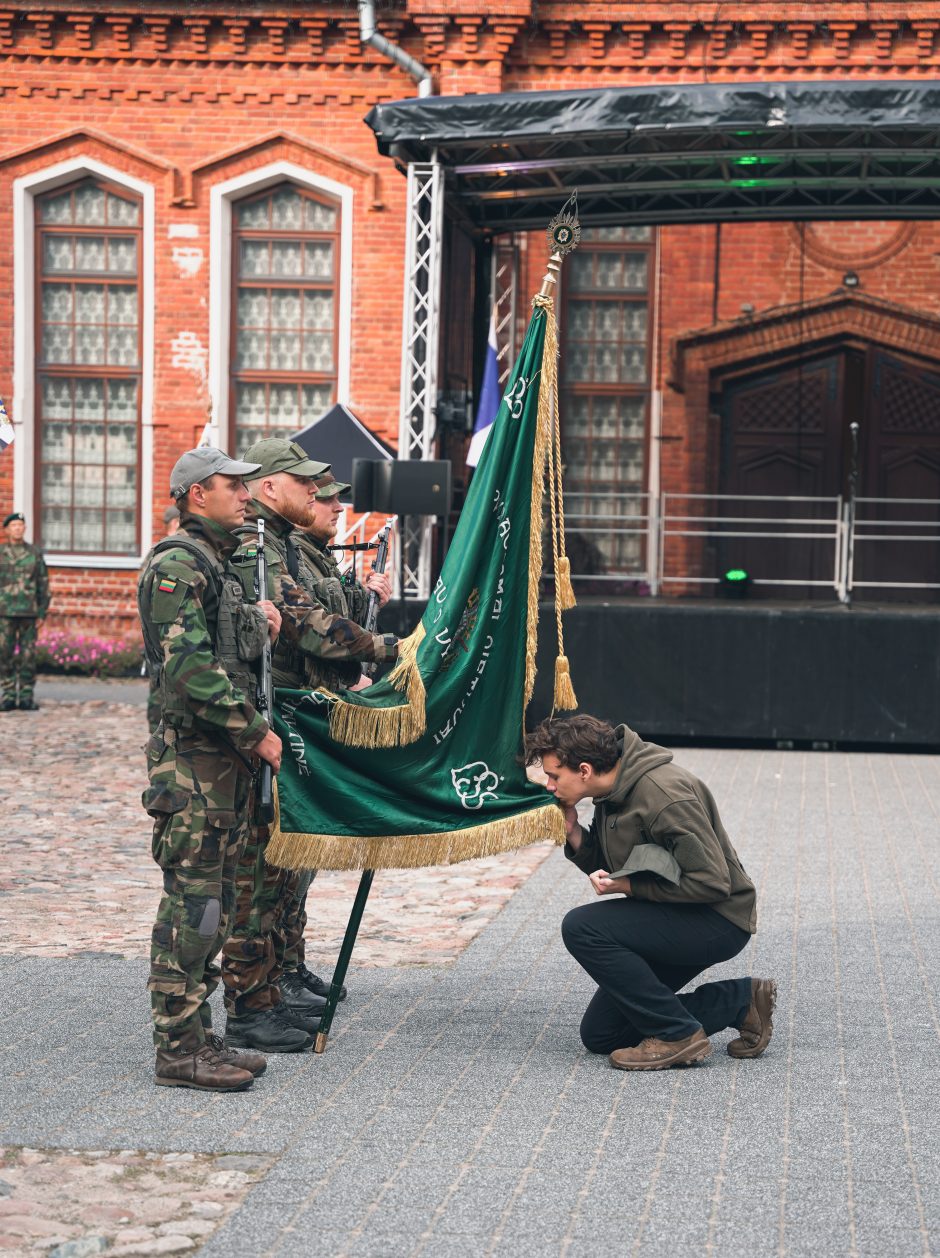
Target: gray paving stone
column 481, row 1126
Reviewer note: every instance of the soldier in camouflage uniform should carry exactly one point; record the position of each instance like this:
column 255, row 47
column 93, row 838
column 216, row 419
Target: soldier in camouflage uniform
column 24, row 601
column 283, row 491
column 342, row 596
column 201, row 640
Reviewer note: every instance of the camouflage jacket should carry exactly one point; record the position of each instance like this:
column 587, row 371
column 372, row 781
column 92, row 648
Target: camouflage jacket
column 328, row 588
column 307, row 629
column 179, row 608
column 24, row 581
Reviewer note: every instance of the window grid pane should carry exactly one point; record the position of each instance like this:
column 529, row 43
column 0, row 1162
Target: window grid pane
column 88, row 383
column 283, row 352
column 606, row 395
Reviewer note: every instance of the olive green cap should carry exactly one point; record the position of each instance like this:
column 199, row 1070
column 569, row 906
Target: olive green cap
column 328, row 487
column 274, row 454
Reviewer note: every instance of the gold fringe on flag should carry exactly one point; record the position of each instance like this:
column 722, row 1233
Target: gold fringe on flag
column 362, row 725
column 413, row 851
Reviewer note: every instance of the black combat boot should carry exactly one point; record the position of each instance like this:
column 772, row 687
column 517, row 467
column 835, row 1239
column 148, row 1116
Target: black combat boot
column 314, row 983
column 298, row 997
column 267, row 1030
column 28, row 705
column 8, row 705
column 199, row 1066
column 300, row 1020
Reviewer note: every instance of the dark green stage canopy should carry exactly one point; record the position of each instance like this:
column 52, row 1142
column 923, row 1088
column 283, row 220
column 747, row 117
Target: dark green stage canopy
column 682, row 153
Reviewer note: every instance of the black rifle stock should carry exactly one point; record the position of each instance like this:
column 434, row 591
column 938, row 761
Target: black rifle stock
column 265, row 685
column 372, row 609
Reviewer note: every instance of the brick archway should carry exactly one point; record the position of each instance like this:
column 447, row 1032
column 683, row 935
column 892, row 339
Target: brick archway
column 702, row 361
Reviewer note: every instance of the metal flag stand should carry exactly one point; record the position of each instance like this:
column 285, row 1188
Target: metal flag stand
column 564, row 233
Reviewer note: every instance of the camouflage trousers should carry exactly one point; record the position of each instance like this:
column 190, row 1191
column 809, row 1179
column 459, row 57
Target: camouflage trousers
column 18, row 665
column 253, row 953
column 198, row 798
column 292, row 922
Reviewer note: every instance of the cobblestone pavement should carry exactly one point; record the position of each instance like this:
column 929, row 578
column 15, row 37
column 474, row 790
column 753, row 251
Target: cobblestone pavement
column 454, row 1113
column 75, row 857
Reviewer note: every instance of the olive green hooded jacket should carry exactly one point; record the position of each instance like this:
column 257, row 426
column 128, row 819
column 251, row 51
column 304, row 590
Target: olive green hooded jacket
column 660, row 827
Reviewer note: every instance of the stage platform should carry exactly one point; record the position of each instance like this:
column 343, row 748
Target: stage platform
column 749, row 671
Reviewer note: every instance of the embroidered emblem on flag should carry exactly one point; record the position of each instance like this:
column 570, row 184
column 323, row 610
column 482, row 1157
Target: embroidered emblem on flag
column 167, row 585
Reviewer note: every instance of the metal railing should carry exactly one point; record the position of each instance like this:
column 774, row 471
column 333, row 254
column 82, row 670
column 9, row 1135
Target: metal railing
column 826, row 542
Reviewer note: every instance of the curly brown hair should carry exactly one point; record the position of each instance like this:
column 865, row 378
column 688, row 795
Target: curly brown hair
column 574, row 740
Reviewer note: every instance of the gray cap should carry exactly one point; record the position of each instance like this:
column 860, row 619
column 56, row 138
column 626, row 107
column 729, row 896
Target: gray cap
column 199, row 464
column 275, row 454
column 170, row 514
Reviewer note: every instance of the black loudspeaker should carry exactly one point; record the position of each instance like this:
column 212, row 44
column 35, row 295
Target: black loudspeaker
column 363, row 479
column 402, row 486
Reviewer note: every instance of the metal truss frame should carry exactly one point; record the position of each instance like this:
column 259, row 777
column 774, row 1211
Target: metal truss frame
column 419, row 356
column 504, row 290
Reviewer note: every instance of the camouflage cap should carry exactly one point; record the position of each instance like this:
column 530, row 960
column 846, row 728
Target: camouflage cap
column 14, row 515
column 199, row 464
column 329, row 487
column 275, row 454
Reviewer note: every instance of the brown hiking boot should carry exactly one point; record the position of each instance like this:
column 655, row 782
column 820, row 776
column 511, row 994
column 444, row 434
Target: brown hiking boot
column 255, row 1062
column 758, row 1024
column 655, row 1054
column 203, row 1069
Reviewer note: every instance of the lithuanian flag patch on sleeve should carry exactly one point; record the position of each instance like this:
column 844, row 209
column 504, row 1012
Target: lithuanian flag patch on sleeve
column 167, row 585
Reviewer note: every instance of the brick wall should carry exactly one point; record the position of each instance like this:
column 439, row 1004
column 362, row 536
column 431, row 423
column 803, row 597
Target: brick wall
column 184, row 99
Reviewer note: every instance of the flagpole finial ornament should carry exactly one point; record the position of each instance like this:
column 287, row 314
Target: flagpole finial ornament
column 564, row 235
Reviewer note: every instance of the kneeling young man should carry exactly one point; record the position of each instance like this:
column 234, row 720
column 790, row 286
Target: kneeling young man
column 657, row 839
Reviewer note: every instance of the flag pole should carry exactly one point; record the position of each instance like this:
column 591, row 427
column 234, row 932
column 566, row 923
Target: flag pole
column 345, row 956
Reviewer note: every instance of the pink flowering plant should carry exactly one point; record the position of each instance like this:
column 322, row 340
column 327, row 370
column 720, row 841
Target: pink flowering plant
column 88, row 654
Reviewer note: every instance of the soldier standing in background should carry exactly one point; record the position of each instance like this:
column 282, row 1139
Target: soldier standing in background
column 341, row 596
column 24, row 601
column 201, row 640
column 283, row 493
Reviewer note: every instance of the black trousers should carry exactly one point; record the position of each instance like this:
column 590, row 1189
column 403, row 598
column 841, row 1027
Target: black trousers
column 640, row 954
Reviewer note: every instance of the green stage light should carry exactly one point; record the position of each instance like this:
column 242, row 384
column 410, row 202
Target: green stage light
column 736, row 574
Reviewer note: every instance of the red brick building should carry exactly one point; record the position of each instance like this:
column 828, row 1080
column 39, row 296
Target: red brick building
column 195, row 224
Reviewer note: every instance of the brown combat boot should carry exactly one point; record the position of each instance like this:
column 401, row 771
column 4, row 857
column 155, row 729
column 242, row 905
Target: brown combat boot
column 758, row 1024
column 199, row 1067
column 655, row 1054
column 255, row 1062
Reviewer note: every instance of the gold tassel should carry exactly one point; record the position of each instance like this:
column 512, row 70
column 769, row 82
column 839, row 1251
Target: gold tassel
column 414, row 851
column 564, row 697
column 563, row 591
column 362, row 725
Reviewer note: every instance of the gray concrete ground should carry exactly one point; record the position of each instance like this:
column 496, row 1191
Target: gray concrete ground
column 455, row 1114
column 83, row 689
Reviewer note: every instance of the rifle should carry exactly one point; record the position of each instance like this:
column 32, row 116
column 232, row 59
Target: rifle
column 372, row 609
column 265, row 684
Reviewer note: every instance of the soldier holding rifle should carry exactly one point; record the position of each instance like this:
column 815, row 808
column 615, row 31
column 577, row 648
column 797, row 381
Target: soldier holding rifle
column 202, row 641
column 283, row 491
column 359, row 601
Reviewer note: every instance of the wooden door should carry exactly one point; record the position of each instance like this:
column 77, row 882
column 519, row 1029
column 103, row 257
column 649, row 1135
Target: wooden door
column 782, row 436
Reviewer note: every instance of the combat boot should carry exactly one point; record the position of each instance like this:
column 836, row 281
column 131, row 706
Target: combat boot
column 28, row 705
column 244, row 1060
column 199, row 1067
column 266, row 1030
column 299, row 1020
column 8, row 705
column 298, row 997
column 315, row 984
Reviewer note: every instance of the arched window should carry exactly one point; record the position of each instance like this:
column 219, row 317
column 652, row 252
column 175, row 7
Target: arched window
column 88, row 369
column 285, row 263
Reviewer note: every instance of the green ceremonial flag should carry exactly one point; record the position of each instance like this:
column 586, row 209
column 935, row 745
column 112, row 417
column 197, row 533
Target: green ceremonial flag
column 423, row 767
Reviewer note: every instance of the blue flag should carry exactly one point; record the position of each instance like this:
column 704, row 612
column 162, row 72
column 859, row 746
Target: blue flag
column 489, row 398
column 6, row 428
